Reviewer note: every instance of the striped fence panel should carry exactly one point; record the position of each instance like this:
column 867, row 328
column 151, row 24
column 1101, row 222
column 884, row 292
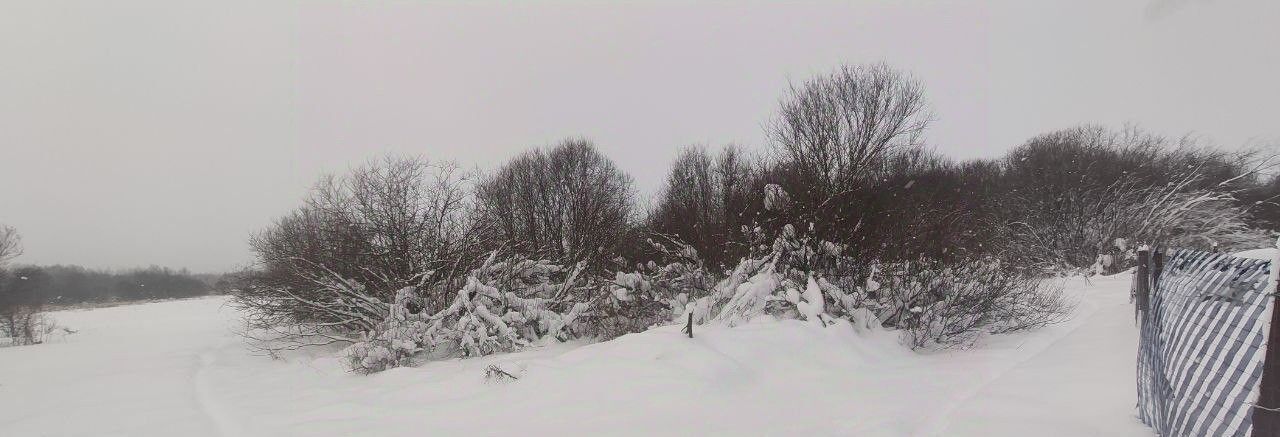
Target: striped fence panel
column 1205, row 320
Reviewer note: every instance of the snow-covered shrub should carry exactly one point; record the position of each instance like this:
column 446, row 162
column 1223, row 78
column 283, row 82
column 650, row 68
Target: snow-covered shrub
column 785, row 274
column 651, row 294
column 790, row 294
column 396, row 340
column 28, row 328
column 506, row 305
column 713, row 306
column 790, row 280
column 754, row 284
column 937, row 305
column 513, row 303
column 630, row 302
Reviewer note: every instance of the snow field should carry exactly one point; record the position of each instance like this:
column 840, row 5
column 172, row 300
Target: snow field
column 178, row 368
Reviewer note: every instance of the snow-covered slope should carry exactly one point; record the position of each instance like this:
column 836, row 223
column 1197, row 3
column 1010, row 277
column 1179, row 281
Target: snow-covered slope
column 178, row 368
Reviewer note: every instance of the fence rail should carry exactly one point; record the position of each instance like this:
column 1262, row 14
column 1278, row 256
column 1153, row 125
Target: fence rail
column 1204, row 365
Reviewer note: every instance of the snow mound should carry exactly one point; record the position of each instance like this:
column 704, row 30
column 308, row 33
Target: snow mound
column 764, row 376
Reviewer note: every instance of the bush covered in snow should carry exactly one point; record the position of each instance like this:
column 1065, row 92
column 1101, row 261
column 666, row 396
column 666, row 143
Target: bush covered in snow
column 933, row 303
column 26, row 327
column 509, row 304
column 396, row 340
column 504, row 305
column 632, row 301
column 648, row 294
column 939, row 305
column 788, row 280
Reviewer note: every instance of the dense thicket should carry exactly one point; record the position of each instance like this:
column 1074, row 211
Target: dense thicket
column 1075, row 197
column 1062, row 200
column 848, row 217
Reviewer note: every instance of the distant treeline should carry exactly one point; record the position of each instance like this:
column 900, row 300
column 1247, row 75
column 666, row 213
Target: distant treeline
column 70, row 285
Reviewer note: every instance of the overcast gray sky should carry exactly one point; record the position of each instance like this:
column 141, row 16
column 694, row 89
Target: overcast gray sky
column 138, row 132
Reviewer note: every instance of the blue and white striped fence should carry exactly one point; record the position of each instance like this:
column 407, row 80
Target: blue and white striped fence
column 1205, row 322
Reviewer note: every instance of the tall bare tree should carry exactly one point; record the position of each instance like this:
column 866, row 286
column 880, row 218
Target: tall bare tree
column 706, row 199
column 837, row 129
column 10, row 244
column 568, row 203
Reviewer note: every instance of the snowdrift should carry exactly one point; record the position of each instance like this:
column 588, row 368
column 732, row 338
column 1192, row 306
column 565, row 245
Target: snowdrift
column 178, row 368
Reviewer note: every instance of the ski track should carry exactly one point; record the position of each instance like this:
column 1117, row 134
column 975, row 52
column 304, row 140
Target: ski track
column 937, row 425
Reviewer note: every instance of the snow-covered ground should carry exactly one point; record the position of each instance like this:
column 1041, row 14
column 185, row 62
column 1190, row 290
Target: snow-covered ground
column 178, row 368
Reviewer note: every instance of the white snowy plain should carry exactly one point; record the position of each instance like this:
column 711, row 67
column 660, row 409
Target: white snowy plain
column 179, row 369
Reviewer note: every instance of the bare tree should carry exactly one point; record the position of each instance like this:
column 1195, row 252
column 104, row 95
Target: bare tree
column 10, row 244
column 21, row 297
column 705, row 201
column 568, row 203
column 838, row 129
column 22, row 301
column 331, row 268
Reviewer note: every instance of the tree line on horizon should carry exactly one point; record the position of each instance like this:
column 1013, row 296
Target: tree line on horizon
column 27, row 291
column 70, row 285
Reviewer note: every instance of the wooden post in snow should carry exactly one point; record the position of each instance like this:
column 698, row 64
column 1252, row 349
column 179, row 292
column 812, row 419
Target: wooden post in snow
column 1156, row 268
